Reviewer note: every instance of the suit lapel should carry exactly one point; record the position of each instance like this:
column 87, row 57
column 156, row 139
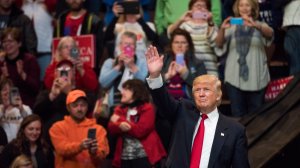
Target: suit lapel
column 191, row 128
column 219, row 139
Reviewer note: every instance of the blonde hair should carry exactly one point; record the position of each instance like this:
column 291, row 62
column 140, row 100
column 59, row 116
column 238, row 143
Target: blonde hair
column 60, row 44
column 21, row 160
column 213, row 80
column 254, row 8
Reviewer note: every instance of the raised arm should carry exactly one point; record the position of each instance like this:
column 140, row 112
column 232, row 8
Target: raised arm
column 154, row 62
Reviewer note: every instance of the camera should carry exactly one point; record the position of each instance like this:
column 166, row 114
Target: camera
column 91, row 133
column 14, row 95
column 200, row 15
column 64, row 73
column 128, row 51
column 236, row 21
column 130, row 7
column 74, row 52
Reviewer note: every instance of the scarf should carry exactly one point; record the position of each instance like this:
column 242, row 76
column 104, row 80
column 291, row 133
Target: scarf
column 243, row 36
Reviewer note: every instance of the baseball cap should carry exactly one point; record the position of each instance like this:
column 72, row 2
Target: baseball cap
column 65, row 61
column 74, row 95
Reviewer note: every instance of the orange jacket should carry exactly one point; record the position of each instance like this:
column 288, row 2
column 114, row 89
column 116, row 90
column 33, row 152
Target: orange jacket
column 66, row 137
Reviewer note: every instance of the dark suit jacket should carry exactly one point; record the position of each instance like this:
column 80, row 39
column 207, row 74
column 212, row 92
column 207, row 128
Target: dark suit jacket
column 229, row 147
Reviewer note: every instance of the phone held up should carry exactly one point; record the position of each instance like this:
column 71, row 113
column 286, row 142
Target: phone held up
column 74, row 52
column 200, row 15
column 130, row 7
column 14, row 96
column 91, row 133
column 128, row 51
column 236, row 21
column 180, row 59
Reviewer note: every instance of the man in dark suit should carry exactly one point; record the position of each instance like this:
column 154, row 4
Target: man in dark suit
column 224, row 142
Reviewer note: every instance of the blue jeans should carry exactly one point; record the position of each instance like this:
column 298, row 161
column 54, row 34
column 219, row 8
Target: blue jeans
column 291, row 46
column 43, row 61
column 244, row 102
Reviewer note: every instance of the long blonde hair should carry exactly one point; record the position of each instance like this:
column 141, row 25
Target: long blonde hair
column 62, row 41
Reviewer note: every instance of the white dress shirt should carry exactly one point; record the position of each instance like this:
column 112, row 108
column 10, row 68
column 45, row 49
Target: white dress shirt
column 210, row 128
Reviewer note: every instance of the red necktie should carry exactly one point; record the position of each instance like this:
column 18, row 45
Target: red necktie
column 198, row 143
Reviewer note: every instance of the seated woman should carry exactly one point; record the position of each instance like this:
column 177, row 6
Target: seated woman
column 22, row 68
column 85, row 77
column 138, row 144
column 12, row 109
column 180, row 65
column 29, row 142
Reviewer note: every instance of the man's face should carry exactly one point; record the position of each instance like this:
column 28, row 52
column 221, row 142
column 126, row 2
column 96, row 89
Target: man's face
column 75, row 5
column 6, row 4
column 206, row 96
column 78, row 109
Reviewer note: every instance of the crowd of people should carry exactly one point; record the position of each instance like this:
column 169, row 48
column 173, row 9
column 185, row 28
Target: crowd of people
column 158, row 80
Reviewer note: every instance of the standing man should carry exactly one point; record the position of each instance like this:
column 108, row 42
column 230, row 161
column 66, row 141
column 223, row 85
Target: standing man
column 78, row 21
column 11, row 16
column 70, row 139
column 202, row 136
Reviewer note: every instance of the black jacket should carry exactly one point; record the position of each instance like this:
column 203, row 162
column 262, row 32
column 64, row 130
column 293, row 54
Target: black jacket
column 18, row 19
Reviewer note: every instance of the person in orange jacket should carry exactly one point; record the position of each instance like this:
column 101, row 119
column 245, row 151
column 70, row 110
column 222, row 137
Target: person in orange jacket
column 73, row 147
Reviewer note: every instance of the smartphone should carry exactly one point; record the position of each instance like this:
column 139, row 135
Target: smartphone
column 14, row 95
column 128, row 51
column 180, row 59
column 64, row 73
column 130, row 7
column 91, row 133
column 74, row 52
column 236, row 21
column 199, row 15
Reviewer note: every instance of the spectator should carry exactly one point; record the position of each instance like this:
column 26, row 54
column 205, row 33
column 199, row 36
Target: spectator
column 291, row 24
column 167, row 12
column 145, row 31
column 246, row 69
column 39, row 12
column 133, row 121
column 74, row 148
column 78, row 21
column 215, row 142
column 12, row 16
column 12, row 110
column 180, row 75
column 22, row 68
column 85, row 77
column 22, row 161
column 198, row 22
column 50, row 104
column 126, row 65
column 29, row 142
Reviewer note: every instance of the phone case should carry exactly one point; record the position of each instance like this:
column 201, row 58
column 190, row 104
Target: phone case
column 200, row 15
column 130, row 7
column 74, row 52
column 91, row 133
column 128, row 51
column 236, row 21
column 180, row 59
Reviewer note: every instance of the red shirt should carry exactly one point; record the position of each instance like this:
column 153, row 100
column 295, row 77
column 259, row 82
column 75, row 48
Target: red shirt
column 72, row 25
